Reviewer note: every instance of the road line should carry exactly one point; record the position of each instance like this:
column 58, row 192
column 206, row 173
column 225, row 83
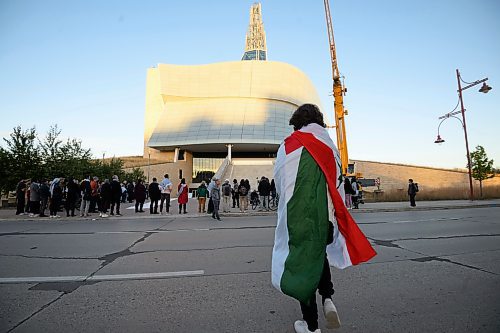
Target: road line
column 428, row 220
column 112, row 277
column 151, row 231
column 144, row 276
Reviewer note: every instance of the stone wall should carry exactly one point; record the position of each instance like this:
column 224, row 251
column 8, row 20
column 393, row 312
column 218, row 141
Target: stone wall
column 395, row 176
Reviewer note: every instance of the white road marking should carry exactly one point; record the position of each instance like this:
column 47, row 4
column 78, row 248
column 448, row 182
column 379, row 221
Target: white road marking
column 113, row 277
column 151, row 231
column 428, row 220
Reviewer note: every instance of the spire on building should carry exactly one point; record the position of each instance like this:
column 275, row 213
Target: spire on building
column 255, row 48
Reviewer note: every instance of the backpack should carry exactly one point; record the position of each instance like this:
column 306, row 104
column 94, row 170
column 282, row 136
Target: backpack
column 243, row 190
column 227, row 189
column 416, row 187
column 202, row 192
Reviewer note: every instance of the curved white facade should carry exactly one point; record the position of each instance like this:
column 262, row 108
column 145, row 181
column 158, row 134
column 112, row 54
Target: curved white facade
column 203, row 108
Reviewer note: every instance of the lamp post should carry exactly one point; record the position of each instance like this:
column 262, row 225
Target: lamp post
column 484, row 89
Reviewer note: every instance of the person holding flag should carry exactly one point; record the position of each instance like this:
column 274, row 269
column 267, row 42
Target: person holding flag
column 314, row 229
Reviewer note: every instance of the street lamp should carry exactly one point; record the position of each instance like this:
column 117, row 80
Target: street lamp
column 484, row 89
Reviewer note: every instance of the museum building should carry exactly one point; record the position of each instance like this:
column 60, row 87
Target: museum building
column 199, row 117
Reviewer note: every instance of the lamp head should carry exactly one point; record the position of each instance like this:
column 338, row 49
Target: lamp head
column 439, row 140
column 485, row 88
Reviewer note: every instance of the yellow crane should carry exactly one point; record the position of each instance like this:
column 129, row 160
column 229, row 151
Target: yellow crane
column 338, row 94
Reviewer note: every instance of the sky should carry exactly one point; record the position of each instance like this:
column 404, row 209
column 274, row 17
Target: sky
column 82, row 65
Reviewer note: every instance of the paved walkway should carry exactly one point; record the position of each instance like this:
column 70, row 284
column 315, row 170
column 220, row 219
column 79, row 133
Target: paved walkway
column 128, row 211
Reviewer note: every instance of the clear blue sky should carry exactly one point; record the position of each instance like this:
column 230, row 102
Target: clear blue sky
column 82, row 65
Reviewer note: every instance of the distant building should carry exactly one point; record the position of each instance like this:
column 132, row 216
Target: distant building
column 197, row 116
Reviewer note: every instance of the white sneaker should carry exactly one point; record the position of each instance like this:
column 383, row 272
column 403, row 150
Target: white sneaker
column 104, row 215
column 331, row 315
column 301, row 327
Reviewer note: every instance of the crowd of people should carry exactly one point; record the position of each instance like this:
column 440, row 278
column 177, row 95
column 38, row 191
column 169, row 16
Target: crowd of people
column 92, row 195
column 237, row 194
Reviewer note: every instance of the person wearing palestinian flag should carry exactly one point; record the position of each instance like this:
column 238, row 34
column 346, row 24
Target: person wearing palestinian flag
column 314, row 229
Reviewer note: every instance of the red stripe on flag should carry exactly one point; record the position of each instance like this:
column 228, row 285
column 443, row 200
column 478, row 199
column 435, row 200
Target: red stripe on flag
column 359, row 248
column 291, row 144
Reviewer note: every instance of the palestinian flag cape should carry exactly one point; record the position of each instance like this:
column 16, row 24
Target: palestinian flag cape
column 308, row 179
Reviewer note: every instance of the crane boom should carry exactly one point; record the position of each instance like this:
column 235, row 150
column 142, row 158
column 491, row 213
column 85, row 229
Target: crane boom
column 338, row 94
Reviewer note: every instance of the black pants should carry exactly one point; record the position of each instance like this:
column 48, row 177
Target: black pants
column 113, row 203
column 43, row 206
column 70, row 207
column 215, row 212
column 236, row 201
column 154, row 202
column 165, row 197
column 54, row 206
column 20, row 206
column 181, row 206
column 35, row 207
column 355, row 201
column 412, row 200
column 325, row 289
column 104, row 205
column 138, row 206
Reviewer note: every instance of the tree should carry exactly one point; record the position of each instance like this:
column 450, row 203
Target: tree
column 21, row 158
column 25, row 156
column 482, row 168
column 134, row 175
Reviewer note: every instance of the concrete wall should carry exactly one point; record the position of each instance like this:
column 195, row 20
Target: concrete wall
column 395, row 176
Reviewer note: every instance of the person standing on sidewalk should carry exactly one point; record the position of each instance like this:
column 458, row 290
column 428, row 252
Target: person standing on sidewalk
column 166, row 189
column 264, row 189
column 140, row 196
column 44, row 197
column 105, row 199
column 210, row 208
column 182, row 195
column 348, row 192
column 56, row 196
column 355, row 193
column 412, row 192
column 226, row 196
column 243, row 192
column 215, row 196
column 71, row 197
column 34, row 198
column 307, row 241
column 20, row 195
column 116, row 193
column 154, row 196
column 236, row 195
column 94, row 195
column 86, row 193
column 202, row 194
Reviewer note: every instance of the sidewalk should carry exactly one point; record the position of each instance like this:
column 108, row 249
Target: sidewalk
column 128, row 212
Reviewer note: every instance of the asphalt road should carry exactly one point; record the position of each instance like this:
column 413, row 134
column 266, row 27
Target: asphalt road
column 436, row 271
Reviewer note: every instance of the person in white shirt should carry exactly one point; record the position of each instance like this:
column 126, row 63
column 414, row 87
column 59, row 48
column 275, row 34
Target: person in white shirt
column 166, row 189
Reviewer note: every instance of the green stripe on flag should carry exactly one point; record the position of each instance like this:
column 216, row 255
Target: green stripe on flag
column 307, row 221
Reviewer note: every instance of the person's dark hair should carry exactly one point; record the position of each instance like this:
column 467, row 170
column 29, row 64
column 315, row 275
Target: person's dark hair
column 154, row 179
column 166, row 175
column 410, row 180
column 306, row 114
column 183, row 181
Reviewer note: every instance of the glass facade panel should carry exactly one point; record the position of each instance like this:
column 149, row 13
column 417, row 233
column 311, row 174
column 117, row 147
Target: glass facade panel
column 205, row 167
